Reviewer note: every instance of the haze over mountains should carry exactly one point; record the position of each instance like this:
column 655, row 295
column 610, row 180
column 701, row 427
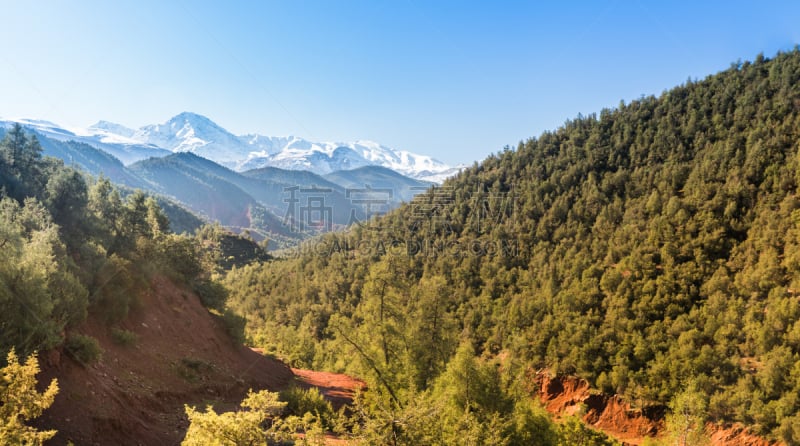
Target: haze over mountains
column 244, row 182
column 190, row 132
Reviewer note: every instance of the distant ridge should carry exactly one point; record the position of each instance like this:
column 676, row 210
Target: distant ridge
column 191, row 132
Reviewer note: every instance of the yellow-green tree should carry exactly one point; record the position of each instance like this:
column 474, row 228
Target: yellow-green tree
column 254, row 425
column 686, row 422
column 20, row 402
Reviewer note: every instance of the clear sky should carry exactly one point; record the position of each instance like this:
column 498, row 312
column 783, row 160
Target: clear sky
column 455, row 80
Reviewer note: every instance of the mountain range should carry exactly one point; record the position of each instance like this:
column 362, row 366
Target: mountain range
column 191, row 132
column 268, row 202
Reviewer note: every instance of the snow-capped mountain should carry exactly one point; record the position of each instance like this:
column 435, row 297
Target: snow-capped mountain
column 108, row 137
column 110, row 128
column 190, row 132
column 326, row 157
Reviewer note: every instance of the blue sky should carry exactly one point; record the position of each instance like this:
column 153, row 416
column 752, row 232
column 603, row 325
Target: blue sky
column 456, row 80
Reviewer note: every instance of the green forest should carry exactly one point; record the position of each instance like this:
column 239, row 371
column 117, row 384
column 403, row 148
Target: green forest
column 73, row 244
column 77, row 247
column 652, row 249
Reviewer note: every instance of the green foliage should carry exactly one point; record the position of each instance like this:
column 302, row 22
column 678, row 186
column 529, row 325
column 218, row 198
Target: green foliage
column 212, row 294
column 115, row 285
column 84, row 349
column 39, row 294
column 123, row 337
column 234, row 325
column 21, row 165
column 573, row 432
column 21, row 402
column 300, row 401
column 255, row 424
column 192, row 369
column 73, row 245
column 640, row 248
column 229, row 249
column 686, row 420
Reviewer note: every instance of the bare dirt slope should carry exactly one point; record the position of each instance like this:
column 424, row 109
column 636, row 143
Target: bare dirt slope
column 337, row 388
column 564, row 396
column 135, row 394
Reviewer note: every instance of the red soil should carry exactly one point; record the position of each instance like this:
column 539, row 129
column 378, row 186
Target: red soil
column 570, row 396
column 564, row 396
column 135, row 395
column 735, row 436
column 336, row 388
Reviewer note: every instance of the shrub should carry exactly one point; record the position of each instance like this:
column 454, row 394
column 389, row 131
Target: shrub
column 252, row 426
column 123, row 337
column 84, row 349
column 234, row 325
column 301, row 401
column 192, row 369
column 212, row 294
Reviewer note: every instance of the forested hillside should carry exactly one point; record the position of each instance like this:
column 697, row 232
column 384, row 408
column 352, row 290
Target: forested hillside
column 653, row 249
column 73, row 244
column 95, row 274
column 101, row 279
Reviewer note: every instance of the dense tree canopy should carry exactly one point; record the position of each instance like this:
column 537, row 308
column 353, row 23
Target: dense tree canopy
column 643, row 248
column 72, row 245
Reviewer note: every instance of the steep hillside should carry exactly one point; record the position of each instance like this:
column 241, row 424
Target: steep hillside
column 402, row 188
column 124, row 149
column 270, row 206
column 135, row 394
column 125, row 313
column 651, row 249
column 87, row 158
column 204, row 191
column 293, row 177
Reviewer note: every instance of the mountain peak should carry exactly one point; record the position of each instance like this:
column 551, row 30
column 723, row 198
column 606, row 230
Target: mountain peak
column 192, row 132
column 112, row 127
column 191, row 117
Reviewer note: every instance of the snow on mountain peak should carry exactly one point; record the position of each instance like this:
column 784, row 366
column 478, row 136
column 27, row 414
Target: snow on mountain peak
column 113, row 127
column 192, row 132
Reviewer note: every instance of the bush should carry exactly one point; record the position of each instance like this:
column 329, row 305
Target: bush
column 123, row 337
column 116, row 285
column 84, row 349
column 302, row 401
column 234, row 325
column 192, row 369
column 212, row 294
column 252, row 426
